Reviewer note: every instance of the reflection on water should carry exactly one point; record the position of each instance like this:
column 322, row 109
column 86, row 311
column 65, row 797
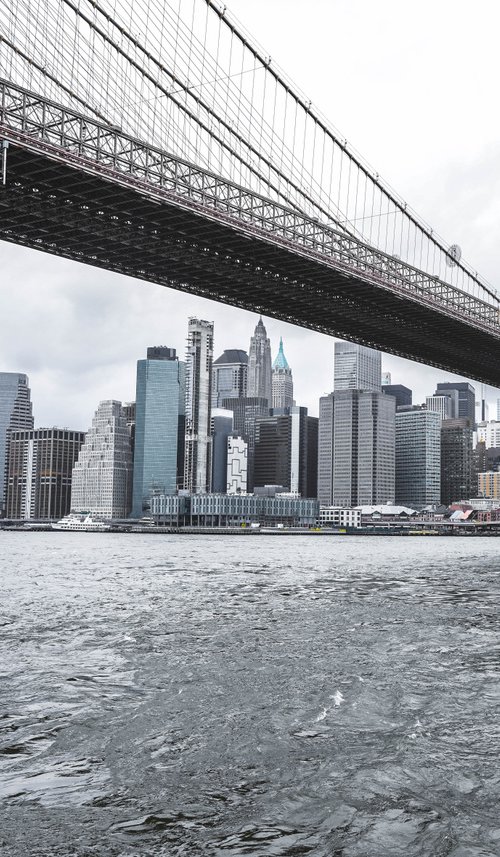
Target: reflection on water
column 336, row 697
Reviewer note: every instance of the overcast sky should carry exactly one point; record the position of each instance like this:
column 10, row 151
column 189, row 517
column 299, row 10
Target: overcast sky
column 412, row 87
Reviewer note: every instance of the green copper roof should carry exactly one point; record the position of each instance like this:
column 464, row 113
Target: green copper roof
column 280, row 361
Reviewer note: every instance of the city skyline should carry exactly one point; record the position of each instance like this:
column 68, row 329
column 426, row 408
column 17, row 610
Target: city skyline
column 77, row 331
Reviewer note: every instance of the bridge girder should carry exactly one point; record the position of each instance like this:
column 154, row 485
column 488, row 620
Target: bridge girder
column 64, row 210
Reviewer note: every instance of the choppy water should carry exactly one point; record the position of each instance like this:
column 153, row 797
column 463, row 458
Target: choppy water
column 175, row 695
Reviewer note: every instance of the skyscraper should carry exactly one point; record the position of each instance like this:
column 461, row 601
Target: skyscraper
column 39, row 472
column 229, row 376
column 159, row 427
column 356, row 367
column 441, row 404
column 259, row 383
column 198, row 440
column 456, row 461
column 129, row 413
column 15, row 413
column 356, row 448
column 221, row 426
column 402, row 394
column 246, row 412
column 282, row 454
column 102, row 476
column 463, row 396
column 418, row 457
column 282, row 381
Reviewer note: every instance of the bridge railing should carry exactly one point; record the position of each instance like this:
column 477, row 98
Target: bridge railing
column 43, row 126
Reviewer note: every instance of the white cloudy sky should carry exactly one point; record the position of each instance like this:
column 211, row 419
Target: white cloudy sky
column 413, row 87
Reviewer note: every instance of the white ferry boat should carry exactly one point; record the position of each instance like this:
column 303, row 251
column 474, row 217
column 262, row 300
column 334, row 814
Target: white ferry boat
column 81, row 523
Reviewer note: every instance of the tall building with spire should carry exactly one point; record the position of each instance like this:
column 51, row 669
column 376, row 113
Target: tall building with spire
column 282, row 381
column 259, row 384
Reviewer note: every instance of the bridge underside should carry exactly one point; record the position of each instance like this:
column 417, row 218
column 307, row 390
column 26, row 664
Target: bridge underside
column 62, row 210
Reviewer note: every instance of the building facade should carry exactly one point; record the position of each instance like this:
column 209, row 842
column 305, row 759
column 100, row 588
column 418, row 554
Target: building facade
column 333, row 516
column 489, row 484
column 356, row 448
column 441, row 404
column 237, row 459
column 260, row 365
column 285, row 451
column 102, row 476
column 39, row 472
column 221, row 427
column 129, row 413
column 418, row 457
column 235, row 510
column 159, row 427
column 463, row 397
column 282, row 381
column 457, row 465
column 489, row 433
column 198, row 439
column 246, row 412
column 229, row 376
column 15, row 414
column 356, row 367
column 402, row 394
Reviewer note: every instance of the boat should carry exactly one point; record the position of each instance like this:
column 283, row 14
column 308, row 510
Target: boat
column 81, row 523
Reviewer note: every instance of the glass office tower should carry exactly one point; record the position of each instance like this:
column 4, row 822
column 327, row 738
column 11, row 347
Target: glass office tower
column 159, row 427
column 356, row 367
column 15, row 414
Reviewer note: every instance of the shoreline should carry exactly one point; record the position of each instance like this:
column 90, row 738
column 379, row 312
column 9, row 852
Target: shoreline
column 265, row 531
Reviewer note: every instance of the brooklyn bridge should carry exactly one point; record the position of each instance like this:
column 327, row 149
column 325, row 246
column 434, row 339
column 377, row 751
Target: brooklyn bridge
column 158, row 140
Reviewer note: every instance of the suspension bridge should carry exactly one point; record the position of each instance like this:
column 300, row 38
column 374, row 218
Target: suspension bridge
column 158, row 140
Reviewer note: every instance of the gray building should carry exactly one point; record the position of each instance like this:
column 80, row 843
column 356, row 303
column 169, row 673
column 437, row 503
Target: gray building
column 402, row 394
column 457, row 465
column 356, row 367
column 234, row 510
column 102, row 476
column 246, row 411
column 286, row 451
column 221, row 428
column 259, row 383
column 229, row 376
column 418, row 457
column 356, row 448
column 441, row 404
column 198, row 439
column 282, row 381
column 15, row 414
column 159, row 426
column 463, row 396
column 39, row 472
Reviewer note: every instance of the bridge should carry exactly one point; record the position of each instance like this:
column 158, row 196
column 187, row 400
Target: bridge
column 158, row 140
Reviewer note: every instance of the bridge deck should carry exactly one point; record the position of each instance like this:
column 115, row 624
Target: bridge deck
column 84, row 190
column 67, row 211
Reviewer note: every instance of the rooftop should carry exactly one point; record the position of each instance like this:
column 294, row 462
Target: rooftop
column 232, row 355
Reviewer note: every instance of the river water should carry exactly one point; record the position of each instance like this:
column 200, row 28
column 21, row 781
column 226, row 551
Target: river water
column 221, row 696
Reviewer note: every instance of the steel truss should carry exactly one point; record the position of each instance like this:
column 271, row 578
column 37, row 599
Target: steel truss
column 85, row 190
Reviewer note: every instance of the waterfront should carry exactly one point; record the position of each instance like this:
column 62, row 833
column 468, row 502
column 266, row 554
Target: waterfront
column 270, row 696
